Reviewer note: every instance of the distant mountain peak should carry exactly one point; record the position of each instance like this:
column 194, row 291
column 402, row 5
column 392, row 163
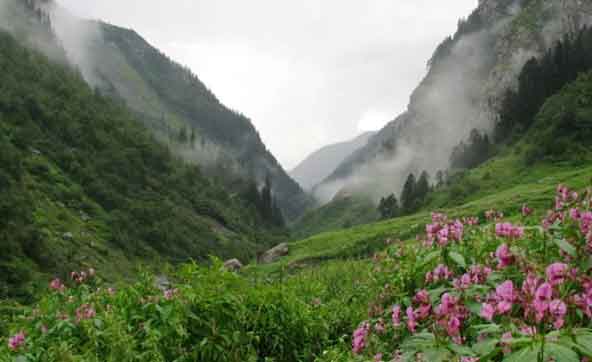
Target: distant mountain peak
column 321, row 163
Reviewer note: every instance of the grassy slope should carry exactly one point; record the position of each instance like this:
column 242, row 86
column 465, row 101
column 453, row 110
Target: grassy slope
column 339, row 214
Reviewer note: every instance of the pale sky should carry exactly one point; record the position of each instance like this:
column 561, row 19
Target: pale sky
column 306, row 72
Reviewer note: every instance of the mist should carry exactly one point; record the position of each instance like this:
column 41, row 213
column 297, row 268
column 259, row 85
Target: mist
column 462, row 91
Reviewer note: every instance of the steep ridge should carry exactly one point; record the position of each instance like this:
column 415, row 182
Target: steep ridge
column 463, row 90
column 172, row 102
column 321, row 163
column 83, row 183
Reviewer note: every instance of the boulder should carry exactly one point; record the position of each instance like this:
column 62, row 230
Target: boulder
column 274, row 254
column 233, row 265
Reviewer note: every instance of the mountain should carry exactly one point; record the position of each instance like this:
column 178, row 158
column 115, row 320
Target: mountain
column 320, row 164
column 83, row 183
column 172, row 102
column 469, row 74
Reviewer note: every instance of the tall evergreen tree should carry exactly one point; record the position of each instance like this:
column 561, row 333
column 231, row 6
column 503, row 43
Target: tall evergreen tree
column 408, row 194
column 422, row 188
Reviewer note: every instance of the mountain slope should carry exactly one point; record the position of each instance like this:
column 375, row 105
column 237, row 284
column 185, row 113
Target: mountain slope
column 172, row 102
column 320, row 164
column 561, row 136
column 83, row 183
column 463, row 90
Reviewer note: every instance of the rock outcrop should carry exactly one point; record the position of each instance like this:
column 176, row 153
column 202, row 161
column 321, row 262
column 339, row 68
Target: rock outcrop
column 233, row 265
column 274, row 254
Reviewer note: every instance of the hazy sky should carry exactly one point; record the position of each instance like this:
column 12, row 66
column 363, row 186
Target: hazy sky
column 307, row 72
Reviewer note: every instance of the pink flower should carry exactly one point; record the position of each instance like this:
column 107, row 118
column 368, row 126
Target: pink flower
column 487, row 311
column 469, row 359
column 57, row 285
column 453, row 328
column 508, row 230
column 422, row 297
column 411, row 322
column 574, row 214
column 542, row 298
column 16, row 341
column 526, row 211
column 528, row 330
column 169, row 294
column 556, row 273
column 378, row 357
column 359, row 338
column 396, row 315
column 558, row 310
column 504, row 257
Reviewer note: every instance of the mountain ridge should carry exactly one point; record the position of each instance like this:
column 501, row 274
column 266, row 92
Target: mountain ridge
column 320, row 163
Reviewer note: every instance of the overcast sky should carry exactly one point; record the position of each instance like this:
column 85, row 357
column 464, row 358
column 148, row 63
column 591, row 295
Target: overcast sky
column 307, row 72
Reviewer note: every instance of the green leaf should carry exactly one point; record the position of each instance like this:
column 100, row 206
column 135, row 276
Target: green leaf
column 486, row 328
column 584, row 343
column 458, row 259
column 486, row 347
column 524, row 355
column 566, row 247
column 430, row 257
column 463, row 351
column 560, row 353
column 436, row 355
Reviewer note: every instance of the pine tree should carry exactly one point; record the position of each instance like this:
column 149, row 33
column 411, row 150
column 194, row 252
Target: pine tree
column 193, row 136
column 422, row 188
column 408, row 195
column 389, row 207
column 183, row 135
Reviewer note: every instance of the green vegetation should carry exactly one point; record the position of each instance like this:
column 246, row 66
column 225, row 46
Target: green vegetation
column 83, row 183
column 177, row 106
column 341, row 213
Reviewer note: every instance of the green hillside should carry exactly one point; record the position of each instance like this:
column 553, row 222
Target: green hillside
column 184, row 113
column 84, row 184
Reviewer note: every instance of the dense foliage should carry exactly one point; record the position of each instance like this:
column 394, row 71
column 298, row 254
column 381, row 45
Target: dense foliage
column 540, row 79
column 474, row 152
column 492, row 293
column 63, row 144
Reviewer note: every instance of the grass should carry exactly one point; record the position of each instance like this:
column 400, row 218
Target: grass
column 504, row 184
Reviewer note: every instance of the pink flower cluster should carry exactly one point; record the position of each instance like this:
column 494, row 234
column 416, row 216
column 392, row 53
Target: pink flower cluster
column 421, row 312
column 82, row 276
column 526, row 211
column 501, row 302
column 17, row 341
column 450, row 315
column 471, row 220
column 440, row 273
column 443, row 232
column 57, row 285
column 169, row 294
column 493, row 215
column 504, row 256
column 359, row 337
column 477, row 275
column 507, row 230
column 584, row 300
column 538, row 299
column 85, row 312
column 564, row 197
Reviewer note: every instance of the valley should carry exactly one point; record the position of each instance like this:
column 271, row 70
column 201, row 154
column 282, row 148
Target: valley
column 143, row 220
